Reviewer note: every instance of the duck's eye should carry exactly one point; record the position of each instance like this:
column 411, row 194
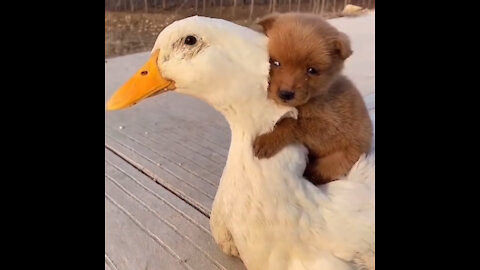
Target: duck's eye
column 312, row 71
column 190, row 40
column 275, row 62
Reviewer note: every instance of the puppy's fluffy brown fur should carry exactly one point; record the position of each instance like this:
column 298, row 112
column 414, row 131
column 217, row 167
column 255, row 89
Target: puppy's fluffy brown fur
column 307, row 57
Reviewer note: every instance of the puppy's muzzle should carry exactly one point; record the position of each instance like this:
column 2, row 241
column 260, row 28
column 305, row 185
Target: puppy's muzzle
column 286, row 94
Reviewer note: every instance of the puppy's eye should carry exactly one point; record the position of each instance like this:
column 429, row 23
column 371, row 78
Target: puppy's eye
column 312, row 71
column 190, row 40
column 275, row 62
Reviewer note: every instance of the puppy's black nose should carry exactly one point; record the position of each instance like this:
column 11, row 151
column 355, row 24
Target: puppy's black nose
column 286, row 94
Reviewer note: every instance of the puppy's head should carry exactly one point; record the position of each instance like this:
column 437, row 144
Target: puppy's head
column 306, row 54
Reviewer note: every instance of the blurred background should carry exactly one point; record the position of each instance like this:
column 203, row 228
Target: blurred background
column 132, row 26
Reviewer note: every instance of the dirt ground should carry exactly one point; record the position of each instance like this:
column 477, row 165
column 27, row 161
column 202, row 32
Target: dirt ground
column 127, row 32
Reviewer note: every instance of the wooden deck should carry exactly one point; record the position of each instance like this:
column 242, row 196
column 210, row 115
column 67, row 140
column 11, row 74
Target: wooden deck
column 163, row 160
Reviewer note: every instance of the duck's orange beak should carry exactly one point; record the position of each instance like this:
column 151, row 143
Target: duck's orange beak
column 146, row 82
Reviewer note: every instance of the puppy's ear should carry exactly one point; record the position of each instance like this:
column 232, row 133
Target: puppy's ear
column 267, row 21
column 342, row 44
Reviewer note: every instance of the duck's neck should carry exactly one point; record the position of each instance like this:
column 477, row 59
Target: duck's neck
column 276, row 176
column 254, row 116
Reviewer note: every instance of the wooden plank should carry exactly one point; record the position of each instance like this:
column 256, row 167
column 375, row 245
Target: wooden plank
column 180, row 166
column 157, row 228
column 182, row 229
column 162, row 194
column 130, row 246
column 178, row 186
column 201, row 144
column 194, row 142
column 172, row 150
column 109, row 265
column 163, row 119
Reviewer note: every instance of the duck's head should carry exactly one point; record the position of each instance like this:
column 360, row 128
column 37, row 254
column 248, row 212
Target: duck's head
column 203, row 57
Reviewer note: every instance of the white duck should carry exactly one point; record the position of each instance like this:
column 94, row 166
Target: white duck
column 264, row 211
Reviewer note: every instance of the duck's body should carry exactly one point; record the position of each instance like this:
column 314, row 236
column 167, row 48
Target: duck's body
column 277, row 219
column 264, row 210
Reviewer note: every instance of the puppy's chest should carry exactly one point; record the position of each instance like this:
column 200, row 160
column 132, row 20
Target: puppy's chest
column 318, row 127
column 313, row 117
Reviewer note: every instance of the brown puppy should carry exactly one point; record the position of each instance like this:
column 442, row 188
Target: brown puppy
column 307, row 57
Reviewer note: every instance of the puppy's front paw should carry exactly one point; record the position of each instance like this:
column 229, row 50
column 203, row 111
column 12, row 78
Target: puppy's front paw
column 265, row 146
